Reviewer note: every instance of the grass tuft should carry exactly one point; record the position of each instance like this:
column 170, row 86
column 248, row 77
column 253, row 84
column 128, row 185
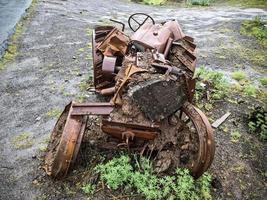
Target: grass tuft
column 264, row 81
column 239, row 75
column 13, row 43
column 256, row 28
column 199, row 2
column 250, row 90
column 154, row 2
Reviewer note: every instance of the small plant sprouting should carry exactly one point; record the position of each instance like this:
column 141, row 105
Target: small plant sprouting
column 235, row 136
column 89, row 189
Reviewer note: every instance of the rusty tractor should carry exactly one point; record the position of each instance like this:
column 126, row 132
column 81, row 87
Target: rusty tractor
column 148, row 79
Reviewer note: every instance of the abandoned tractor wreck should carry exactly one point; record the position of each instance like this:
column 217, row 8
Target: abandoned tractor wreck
column 148, row 79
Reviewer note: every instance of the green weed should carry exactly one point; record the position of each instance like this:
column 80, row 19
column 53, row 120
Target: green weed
column 258, row 122
column 203, row 183
column 138, row 175
column 89, row 189
column 83, row 85
column 116, row 172
column 212, row 84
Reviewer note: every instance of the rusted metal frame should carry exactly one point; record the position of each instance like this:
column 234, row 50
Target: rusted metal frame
column 79, row 140
column 190, row 46
column 154, row 127
column 168, row 46
column 188, row 38
column 183, row 60
column 91, row 109
column 190, row 87
column 117, row 129
column 119, row 35
column 118, row 132
column 100, row 80
column 65, row 151
column 172, row 70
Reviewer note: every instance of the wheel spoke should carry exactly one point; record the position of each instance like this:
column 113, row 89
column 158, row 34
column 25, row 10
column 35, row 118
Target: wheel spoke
column 144, row 21
column 136, row 21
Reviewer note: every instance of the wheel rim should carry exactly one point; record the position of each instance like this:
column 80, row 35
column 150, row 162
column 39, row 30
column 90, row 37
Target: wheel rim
column 206, row 144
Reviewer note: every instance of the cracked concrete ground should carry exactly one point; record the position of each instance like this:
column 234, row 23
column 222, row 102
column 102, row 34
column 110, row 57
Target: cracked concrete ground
column 54, row 58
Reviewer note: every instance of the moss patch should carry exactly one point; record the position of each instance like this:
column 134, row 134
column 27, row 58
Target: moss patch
column 54, row 113
column 23, row 141
column 240, row 53
column 12, row 49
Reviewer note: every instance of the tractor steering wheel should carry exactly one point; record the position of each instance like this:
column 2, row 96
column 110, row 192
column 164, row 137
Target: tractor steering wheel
column 135, row 19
